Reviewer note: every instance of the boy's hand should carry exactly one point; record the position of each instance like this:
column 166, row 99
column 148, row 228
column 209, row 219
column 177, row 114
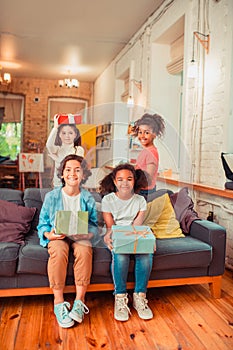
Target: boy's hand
column 52, row 236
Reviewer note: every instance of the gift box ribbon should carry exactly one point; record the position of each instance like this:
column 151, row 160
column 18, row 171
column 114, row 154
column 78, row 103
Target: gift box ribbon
column 71, row 119
column 135, row 232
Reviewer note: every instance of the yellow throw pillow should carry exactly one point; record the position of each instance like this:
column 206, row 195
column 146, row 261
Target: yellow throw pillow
column 161, row 218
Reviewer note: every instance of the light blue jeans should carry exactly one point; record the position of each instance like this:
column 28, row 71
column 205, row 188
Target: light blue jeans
column 142, row 269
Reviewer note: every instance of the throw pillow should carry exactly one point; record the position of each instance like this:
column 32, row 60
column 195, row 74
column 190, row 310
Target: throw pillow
column 184, row 209
column 15, row 221
column 161, row 218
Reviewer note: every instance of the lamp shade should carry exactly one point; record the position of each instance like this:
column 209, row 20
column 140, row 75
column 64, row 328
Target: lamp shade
column 192, row 70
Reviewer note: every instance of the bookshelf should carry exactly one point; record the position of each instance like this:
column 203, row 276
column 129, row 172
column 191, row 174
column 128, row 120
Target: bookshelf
column 103, row 136
column 134, row 148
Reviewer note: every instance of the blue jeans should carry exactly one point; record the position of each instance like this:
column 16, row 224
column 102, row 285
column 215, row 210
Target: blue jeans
column 142, row 269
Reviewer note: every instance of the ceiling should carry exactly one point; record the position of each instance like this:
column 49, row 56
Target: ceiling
column 49, row 38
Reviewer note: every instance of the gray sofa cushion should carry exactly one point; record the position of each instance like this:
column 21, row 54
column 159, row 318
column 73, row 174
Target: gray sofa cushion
column 8, row 258
column 33, row 258
column 33, row 198
column 11, row 195
column 101, row 261
column 187, row 252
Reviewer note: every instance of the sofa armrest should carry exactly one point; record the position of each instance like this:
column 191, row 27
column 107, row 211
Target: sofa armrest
column 215, row 235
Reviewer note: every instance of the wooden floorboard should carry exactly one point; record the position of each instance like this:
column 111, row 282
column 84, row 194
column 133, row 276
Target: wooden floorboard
column 185, row 317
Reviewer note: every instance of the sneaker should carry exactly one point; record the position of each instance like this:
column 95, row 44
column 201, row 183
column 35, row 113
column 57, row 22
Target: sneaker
column 140, row 304
column 121, row 310
column 62, row 314
column 78, row 311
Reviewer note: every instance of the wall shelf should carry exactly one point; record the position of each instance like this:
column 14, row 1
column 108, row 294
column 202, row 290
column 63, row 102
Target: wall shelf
column 197, row 187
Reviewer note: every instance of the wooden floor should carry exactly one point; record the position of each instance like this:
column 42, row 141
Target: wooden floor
column 185, row 317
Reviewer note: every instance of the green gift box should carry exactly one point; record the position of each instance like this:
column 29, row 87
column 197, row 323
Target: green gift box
column 132, row 239
column 71, row 223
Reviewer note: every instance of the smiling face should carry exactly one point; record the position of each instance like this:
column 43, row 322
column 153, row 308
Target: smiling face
column 67, row 135
column 72, row 173
column 124, row 182
column 146, row 135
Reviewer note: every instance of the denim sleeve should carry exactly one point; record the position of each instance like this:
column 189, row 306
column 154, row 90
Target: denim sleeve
column 44, row 222
column 93, row 222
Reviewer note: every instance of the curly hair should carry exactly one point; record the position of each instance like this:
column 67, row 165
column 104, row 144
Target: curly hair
column 83, row 163
column 77, row 140
column 141, row 179
column 155, row 121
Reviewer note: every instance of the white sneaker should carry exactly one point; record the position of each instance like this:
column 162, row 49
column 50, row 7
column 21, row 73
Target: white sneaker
column 121, row 310
column 140, row 304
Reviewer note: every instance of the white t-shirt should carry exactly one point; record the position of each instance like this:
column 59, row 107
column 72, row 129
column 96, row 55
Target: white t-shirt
column 71, row 203
column 123, row 211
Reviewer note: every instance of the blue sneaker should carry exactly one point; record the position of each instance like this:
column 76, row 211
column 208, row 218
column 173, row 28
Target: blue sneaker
column 62, row 314
column 78, row 311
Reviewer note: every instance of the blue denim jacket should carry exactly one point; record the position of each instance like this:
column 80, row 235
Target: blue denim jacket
column 53, row 202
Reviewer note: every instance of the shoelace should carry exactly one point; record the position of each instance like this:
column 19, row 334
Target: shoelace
column 64, row 310
column 81, row 308
column 142, row 303
column 122, row 304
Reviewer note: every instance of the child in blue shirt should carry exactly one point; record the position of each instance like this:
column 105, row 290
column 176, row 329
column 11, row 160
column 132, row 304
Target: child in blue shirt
column 70, row 196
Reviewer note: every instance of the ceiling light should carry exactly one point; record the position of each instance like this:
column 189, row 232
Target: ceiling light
column 5, row 79
column 69, row 83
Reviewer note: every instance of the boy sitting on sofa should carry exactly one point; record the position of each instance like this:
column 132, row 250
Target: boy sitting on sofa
column 70, row 196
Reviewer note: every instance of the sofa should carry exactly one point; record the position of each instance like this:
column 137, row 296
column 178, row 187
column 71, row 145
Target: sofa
column 196, row 257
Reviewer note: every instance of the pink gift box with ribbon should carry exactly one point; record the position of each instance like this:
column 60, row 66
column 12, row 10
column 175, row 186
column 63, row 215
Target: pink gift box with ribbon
column 133, row 239
column 69, row 118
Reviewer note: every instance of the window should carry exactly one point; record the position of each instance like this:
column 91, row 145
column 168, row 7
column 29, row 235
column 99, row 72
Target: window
column 11, row 108
column 10, row 140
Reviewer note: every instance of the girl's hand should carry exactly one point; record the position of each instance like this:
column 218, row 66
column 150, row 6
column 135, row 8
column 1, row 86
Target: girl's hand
column 108, row 240
column 79, row 237
column 55, row 118
column 52, row 236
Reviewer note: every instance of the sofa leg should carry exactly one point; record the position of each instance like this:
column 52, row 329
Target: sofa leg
column 215, row 287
